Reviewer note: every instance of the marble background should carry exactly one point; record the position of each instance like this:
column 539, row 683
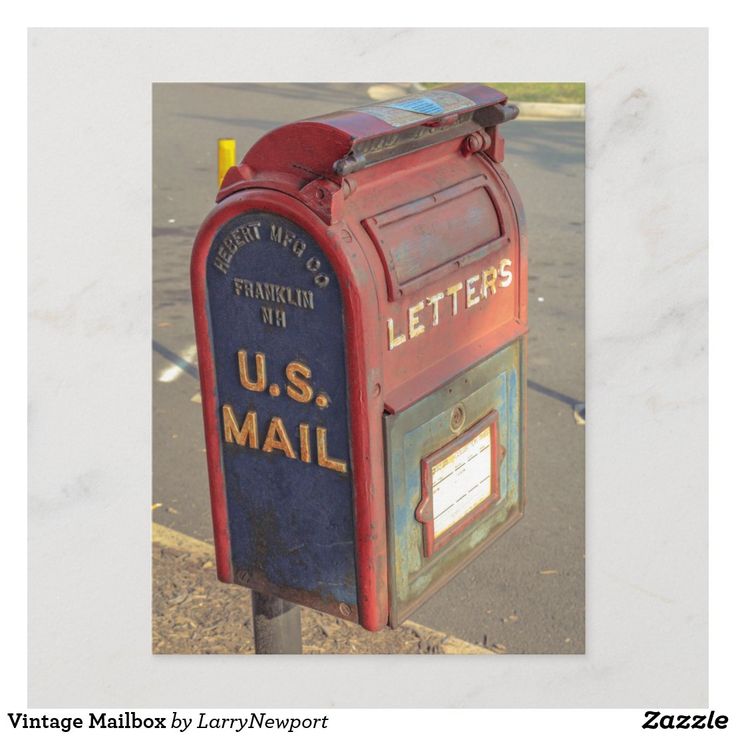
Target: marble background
column 90, row 352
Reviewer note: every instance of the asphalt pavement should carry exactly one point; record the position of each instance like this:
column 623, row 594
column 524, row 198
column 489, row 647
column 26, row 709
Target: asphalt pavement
column 526, row 593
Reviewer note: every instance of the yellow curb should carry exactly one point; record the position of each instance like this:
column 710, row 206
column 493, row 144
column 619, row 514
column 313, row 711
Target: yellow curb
column 184, row 543
column 450, row 644
column 169, row 538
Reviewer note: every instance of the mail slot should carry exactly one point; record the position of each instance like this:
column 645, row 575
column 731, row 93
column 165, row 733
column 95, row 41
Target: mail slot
column 360, row 304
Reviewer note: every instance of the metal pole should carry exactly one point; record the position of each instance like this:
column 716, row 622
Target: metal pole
column 277, row 625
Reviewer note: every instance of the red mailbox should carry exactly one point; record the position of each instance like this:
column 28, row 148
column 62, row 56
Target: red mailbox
column 360, row 306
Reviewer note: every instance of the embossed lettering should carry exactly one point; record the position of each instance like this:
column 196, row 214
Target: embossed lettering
column 471, row 296
column 489, row 281
column 278, row 439
column 234, row 240
column 246, row 434
column 273, row 316
column 394, row 340
column 300, row 390
column 245, row 380
column 288, row 239
column 323, row 458
column 415, row 327
column 263, row 291
column 434, row 302
column 452, row 291
column 220, row 264
column 506, row 275
column 305, row 447
column 477, row 287
column 277, row 233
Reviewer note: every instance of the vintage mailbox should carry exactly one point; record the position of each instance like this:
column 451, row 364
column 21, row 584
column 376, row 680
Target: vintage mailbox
column 360, row 305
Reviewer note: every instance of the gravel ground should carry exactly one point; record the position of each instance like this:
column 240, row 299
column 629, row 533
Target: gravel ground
column 194, row 613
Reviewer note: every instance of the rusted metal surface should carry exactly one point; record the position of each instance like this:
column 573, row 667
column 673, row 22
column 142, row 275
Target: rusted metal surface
column 363, row 409
column 492, row 395
column 405, row 271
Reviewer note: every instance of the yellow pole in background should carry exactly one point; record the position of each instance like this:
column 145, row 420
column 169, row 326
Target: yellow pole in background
column 225, row 157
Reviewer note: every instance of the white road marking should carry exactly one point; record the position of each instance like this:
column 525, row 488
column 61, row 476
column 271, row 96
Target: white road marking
column 173, row 372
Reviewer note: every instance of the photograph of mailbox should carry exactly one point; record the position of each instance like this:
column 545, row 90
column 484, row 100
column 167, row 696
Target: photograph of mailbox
column 368, row 368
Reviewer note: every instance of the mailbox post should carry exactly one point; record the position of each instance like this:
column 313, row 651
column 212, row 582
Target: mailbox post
column 360, row 304
column 277, row 625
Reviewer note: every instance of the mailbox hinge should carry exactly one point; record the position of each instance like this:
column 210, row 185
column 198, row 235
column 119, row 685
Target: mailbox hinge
column 369, row 151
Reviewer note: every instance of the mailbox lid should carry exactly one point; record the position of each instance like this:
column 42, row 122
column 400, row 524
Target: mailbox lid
column 335, row 145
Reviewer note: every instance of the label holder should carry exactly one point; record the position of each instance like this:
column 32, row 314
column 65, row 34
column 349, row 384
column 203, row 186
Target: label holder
column 424, row 513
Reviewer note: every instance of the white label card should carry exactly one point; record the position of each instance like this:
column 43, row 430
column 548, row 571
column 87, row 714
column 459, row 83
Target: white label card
column 461, row 481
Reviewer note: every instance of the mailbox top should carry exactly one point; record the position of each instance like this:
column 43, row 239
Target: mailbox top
column 335, row 145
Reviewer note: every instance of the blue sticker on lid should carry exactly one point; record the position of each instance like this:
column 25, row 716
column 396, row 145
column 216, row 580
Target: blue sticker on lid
column 423, row 105
column 409, row 110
